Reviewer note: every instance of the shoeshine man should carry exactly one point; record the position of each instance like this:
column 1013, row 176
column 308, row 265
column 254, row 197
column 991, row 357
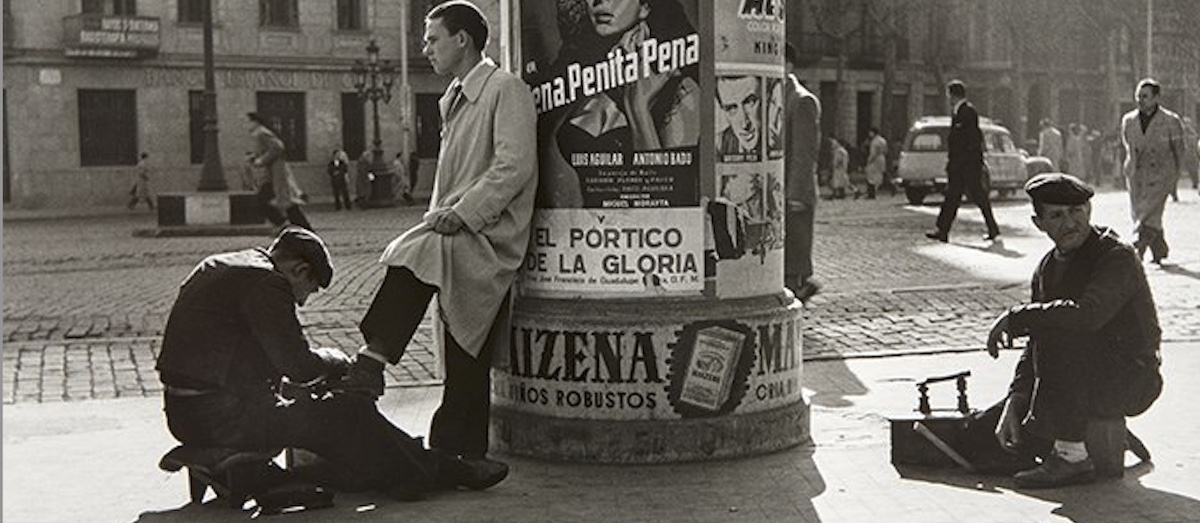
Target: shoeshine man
column 1093, row 351
column 468, row 247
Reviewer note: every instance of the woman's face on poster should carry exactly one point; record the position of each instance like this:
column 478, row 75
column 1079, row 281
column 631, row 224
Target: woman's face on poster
column 613, row 17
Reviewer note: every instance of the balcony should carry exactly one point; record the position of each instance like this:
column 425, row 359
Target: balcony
column 95, row 35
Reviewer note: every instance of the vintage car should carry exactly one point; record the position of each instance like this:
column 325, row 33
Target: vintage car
column 921, row 169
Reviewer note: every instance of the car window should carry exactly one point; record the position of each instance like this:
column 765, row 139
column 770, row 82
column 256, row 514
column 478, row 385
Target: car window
column 997, row 142
column 930, row 140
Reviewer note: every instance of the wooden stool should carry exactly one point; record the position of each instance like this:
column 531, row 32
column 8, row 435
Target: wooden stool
column 210, row 468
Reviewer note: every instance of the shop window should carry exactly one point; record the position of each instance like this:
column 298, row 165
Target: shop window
column 278, row 13
column 284, row 113
column 110, row 7
column 192, row 11
column 107, row 127
column 196, row 125
column 350, row 15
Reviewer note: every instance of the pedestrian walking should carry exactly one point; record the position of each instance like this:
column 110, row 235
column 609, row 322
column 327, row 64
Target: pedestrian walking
column 802, row 136
column 140, row 189
column 839, row 174
column 279, row 196
column 1155, row 155
column 469, row 246
column 877, row 150
column 400, row 180
column 1050, row 143
column 1075, row 152
column 964, row 166
column 339, row 166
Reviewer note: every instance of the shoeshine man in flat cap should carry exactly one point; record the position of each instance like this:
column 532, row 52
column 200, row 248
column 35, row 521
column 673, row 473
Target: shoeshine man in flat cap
column 1093, row 350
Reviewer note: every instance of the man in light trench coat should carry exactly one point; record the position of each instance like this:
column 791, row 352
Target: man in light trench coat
column 1156, row 155
column 468, row 247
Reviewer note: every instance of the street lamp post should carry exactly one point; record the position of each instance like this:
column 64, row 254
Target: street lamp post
column 373, row 80
column 212, row 176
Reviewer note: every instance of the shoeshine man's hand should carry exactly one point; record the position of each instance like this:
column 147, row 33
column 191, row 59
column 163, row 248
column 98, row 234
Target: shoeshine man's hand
column 444, row 221
column 1008, row 430
column 998, row 337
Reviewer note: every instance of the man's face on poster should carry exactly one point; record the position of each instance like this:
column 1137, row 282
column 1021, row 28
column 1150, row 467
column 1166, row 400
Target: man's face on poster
column 740, row 102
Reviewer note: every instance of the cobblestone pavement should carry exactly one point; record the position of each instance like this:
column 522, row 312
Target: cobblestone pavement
column 85, row 302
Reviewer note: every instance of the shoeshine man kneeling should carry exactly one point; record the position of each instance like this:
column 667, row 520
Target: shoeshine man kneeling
column 469, row 246
column 1091, row 323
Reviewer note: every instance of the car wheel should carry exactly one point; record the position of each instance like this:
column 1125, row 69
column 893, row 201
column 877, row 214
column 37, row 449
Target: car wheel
column 915, row 195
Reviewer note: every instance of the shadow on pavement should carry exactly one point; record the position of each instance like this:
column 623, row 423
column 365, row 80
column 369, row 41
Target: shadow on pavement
column 1179, row 270
column 1116, row 500
column 773, row 487
column 832, row 384
column 996, row 247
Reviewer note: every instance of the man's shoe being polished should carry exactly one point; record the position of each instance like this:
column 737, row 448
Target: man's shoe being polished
column 937, row 235
column 365, row 377
column 1057, row 472
column 472, row 473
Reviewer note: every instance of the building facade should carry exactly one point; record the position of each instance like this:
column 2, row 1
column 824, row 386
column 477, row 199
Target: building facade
column 91, row 84
column 884, row 63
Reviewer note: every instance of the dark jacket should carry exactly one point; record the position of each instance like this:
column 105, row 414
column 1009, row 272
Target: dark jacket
column 1102, row 304
column 965, row 142
column 234, row 326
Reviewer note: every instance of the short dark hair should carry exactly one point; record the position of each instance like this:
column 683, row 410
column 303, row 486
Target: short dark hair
column 1153, row 84
column 460, row 15
column 256, row 118
column 790, row 54
column 957, row 88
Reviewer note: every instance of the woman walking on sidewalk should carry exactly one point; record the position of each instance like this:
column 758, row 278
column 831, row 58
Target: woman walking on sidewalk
column 140, row 190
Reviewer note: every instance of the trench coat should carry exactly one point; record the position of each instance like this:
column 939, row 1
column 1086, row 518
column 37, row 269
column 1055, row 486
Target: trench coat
column 487, row 173
column 1050, row 145
column 269, row 153
column 876, row 160
column 1154, row 160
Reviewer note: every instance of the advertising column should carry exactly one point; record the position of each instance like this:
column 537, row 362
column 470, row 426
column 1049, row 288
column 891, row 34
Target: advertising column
column 650, row 322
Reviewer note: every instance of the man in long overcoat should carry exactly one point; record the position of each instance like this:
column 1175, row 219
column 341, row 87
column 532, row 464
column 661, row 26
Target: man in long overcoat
column 1155, row 156
column 469, row 246
column 802, row 137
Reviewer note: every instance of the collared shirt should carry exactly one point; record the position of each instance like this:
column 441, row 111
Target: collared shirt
column 487, row 173
column 1144, row 118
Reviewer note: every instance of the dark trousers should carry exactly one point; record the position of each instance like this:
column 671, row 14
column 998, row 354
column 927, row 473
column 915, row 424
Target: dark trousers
column 1154, row 239
column 360, row 446
column 797, row 247
column 969, row 181
column 294, row 215
column 1066, row 371
column 460, row 425
column 341, row 193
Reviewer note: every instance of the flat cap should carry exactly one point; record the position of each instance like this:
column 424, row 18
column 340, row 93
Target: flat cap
column 1058, row 188
column 310, row 248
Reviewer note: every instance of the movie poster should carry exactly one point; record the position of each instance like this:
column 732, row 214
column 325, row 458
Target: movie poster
column 617, row 93
column 746, row 213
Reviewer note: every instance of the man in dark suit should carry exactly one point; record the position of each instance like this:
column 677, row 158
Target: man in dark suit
column 964, row 167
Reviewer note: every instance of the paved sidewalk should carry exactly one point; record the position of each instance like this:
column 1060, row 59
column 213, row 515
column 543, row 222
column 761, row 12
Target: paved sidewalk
column 95, row 461
column 85, row 302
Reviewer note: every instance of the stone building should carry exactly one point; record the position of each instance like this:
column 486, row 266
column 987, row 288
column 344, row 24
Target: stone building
column 91, row 84
column 1022, row 60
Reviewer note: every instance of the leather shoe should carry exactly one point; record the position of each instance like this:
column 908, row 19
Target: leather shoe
column 1057, row 472
column 293, row 495
column 991, row 237
column 472, row 473
column 934, row 235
